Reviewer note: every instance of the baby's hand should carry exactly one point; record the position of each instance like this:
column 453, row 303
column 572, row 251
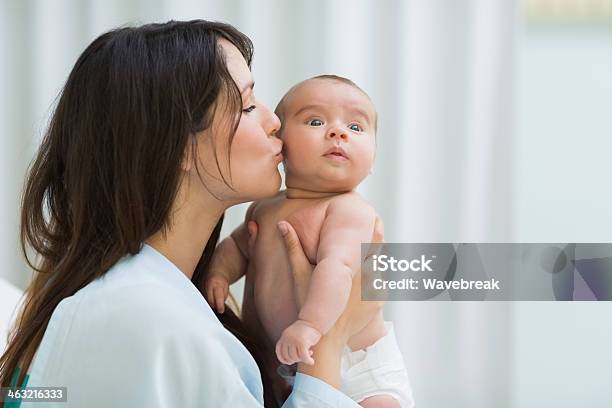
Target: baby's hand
column 217, row 290
column 295, row 343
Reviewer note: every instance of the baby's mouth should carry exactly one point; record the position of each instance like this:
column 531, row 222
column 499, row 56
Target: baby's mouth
column 336, row 153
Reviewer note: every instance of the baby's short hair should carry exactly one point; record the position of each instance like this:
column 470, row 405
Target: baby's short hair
column 280, row 108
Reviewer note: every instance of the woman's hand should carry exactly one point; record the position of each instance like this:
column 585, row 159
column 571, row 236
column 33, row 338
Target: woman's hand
column 300, row 266
column 357, row 314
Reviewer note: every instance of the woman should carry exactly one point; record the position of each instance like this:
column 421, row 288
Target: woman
column 157, row 132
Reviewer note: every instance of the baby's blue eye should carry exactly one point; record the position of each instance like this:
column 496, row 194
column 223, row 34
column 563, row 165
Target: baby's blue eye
column 355, row 128
column 315, row 122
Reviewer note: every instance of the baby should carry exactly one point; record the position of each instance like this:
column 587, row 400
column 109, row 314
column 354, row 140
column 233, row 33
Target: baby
column 329, row 142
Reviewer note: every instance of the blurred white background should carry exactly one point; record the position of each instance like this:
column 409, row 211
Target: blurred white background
column 494, row 126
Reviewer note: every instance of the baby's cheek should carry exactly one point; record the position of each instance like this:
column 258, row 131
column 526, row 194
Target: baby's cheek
column 299, row 153
column 366, row 154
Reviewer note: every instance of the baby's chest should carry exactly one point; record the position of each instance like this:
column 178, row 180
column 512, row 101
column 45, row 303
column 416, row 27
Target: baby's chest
column 308, row 223
column 306, row 220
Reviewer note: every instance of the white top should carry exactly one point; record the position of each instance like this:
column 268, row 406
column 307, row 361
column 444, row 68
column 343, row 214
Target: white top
column 142, row 335
column 9, row 299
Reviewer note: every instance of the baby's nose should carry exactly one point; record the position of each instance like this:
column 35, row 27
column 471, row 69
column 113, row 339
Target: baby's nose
column 337, row 133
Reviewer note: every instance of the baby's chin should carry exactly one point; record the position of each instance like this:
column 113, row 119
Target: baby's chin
column 323, row 184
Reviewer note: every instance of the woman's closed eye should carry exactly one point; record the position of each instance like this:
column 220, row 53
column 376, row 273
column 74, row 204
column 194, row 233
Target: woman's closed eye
column 249, row 109
column 315, row 122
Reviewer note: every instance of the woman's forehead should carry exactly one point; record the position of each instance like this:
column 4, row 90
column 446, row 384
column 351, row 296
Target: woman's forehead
column 236, row 65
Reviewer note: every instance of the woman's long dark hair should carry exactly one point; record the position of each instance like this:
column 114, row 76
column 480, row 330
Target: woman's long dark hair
column 109, row 166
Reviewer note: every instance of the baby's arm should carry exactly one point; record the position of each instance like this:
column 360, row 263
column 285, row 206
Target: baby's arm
column 349, row 221
column 228, row 264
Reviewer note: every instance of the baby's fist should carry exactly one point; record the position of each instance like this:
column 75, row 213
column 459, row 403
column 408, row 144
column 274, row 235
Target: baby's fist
column 217, row 290
column 295, row 343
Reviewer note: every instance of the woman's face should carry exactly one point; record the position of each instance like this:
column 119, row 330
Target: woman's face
column 255, row 152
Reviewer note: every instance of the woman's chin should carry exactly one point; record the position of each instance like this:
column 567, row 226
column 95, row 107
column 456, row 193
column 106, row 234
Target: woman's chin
column 268, row 188
column 277, row 183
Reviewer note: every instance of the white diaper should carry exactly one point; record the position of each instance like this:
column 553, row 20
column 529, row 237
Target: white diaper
column 377, row 370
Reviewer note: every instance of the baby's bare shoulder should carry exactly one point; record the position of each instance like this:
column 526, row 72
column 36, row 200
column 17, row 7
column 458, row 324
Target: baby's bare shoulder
column 352, row 201
column 261, row 207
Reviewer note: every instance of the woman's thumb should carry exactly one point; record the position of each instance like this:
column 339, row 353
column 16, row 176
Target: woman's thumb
column 299, row 263
column 289, row 237
column 252, row 228
column 296, row 255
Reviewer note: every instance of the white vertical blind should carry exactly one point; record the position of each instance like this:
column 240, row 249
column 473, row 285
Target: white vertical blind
column 442, row 75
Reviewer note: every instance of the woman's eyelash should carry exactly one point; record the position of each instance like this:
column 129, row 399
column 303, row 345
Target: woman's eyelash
column 249, row 109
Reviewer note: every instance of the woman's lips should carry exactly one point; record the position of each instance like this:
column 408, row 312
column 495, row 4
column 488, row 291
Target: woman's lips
column 279, row 157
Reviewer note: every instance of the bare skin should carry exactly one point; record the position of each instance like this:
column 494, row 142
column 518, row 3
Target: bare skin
column 329, row 148
column 254, row 157
column 354, row 318
column 291, row 279
column 268, row 275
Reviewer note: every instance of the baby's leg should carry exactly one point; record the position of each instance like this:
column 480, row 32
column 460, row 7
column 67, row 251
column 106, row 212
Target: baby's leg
column 380, row 401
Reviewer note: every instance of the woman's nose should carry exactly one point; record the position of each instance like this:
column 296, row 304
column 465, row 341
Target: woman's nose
column 273, row 123
column 337, row 133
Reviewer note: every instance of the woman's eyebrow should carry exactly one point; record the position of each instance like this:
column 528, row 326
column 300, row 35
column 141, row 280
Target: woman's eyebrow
column 248, row 86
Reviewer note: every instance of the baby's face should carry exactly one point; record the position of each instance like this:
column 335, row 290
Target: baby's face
column 329, row 136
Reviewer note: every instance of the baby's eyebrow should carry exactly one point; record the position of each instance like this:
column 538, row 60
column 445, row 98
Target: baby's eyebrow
column 307, row 107
column 361, row 112
column 352, row 109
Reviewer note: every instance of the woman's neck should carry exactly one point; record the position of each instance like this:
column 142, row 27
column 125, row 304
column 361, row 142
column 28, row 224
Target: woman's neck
column 191, row 224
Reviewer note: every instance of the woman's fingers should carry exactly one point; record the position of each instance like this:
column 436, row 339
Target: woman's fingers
column 378, row 237
column 297, row 258
column 298, row 262
column 357, row 313
column 253, row 228
column 375, row 248
column 379, row 231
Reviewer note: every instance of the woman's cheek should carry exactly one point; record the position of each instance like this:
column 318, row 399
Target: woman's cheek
column 254, row 169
